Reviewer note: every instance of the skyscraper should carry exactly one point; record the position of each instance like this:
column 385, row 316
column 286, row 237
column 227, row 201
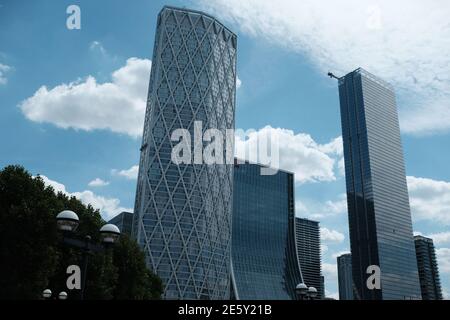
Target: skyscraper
column 307, row 235
column 377, row 196
column 430, row 282
column 345, row 280
column 124, row 222
column 264, row 260
column 183, row 211
column 322, row 287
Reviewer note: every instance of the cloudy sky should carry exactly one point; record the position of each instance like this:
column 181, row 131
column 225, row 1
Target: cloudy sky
column 72, row 102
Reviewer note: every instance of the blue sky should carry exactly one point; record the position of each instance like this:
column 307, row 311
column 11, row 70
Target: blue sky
column 82, row 130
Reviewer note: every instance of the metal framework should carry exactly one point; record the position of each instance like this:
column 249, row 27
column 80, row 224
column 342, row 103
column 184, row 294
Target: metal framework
column 183, row 212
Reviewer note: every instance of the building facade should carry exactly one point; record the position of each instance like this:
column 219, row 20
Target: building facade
column 264, row 259
column 124, row 221
column 322, row 282
column 430, row 283
column 307, row 234
column 345, row 279
column 377, row 195
column 183, row 210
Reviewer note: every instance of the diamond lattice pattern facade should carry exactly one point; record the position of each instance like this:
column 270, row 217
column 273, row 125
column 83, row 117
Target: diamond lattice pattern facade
column 183, row 212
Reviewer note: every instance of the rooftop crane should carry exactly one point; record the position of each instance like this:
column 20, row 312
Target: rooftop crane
column 331, row 75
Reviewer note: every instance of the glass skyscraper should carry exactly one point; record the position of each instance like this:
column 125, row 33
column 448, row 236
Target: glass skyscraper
column 345, row 279
column 430, row 283
column 264, row 259
column 183, row 211
column 124, row 222
column 307, row 234
column 377, row 195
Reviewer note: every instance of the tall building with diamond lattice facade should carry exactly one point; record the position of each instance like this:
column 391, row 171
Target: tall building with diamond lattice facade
column 183, row 211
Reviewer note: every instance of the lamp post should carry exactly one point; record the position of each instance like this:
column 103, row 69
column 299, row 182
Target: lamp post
column 312, row 293
column 109, row 233
column 47, row 294
column 305, row 293
column 62, row 295
column 301, row 290
column 67, row 222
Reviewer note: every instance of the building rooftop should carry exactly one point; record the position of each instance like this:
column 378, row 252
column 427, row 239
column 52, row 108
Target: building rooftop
column 238, row 161
column 423, row 238
column 167, row 7
column 370, row 76
column 309, row 220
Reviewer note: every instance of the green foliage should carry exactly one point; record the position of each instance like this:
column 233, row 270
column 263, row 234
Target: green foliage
column 32, row 257
column 134, row 281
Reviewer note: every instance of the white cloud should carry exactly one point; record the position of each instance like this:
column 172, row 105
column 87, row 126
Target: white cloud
column 57, row 187
column 298, row 153
column 108, row 207
column 118, row 106
column 430, row 199
column 3, row 70
column 329, row 271
column 336, row 207
column 340, row 253
column 335, row 147
column 445, row 294
column 238, row 83
column 321, row 211
column 341, row 167
column 130, row 174
column 97, row 182
column 97, row 46
column 300, row 208
column 331, row 235
column 440, row 237
column 323, row 248
column 334, row 295
column 406, row 42
column 443, row 257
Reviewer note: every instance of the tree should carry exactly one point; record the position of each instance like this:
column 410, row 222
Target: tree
column 134, row 282
column 33, row 258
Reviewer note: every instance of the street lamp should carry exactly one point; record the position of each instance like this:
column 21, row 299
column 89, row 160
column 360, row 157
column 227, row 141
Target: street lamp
column 110, row 233
column 47, row 293
column 301, row 290
column 312, row 293
column 67, row 221
column 62, row 295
